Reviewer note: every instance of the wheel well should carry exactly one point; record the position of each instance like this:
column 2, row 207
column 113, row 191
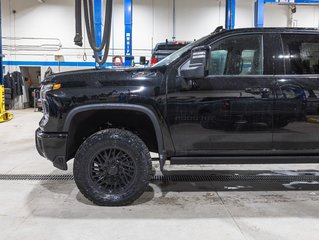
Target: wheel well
column 84, row 124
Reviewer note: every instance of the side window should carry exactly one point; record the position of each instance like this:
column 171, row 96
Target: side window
column 301, row 53
column 240, row 55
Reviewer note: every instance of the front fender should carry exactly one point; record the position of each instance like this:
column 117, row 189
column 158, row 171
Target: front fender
column 122, row 106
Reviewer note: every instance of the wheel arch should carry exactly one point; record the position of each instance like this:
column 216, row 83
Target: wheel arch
column 125, row 107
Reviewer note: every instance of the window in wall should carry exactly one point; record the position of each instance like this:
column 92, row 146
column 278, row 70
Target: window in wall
column 240, row 55
column 301, row 53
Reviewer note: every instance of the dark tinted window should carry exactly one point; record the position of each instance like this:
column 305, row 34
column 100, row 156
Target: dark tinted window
column 301, row 53
column 240, row 55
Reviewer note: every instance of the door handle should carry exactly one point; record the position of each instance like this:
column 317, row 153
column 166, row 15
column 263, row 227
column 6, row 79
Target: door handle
column 257, row 91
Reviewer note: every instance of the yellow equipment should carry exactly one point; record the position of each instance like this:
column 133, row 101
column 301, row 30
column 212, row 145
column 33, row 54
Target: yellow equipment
column 313, row 120
column 4, row 116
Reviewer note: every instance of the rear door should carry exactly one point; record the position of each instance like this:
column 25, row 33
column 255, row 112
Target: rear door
column 296, row 113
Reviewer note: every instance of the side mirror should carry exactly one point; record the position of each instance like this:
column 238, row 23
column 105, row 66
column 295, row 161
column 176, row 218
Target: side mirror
column 199, row 63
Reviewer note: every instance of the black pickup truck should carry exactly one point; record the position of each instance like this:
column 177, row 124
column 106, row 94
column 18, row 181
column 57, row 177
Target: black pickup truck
column 232, row 97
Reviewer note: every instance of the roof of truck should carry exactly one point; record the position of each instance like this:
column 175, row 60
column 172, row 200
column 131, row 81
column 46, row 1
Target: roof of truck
column 273, row 29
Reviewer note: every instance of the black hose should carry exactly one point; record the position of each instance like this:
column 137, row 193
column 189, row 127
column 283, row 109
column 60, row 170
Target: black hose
column 107, row 30
column 89, row 19
column 90, row 28
column 78, row 39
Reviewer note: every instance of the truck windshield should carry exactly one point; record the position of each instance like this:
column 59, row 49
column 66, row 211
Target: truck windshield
column 174, row 56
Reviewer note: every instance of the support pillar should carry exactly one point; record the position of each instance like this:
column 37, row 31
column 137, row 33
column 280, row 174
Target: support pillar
column 128, row 21
column 98, row 15
column 259, row 13
column 230, row 14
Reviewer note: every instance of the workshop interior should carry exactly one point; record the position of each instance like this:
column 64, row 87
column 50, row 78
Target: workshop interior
column 152, row 119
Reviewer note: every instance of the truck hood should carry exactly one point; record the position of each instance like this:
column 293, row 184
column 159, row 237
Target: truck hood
column 107, row 77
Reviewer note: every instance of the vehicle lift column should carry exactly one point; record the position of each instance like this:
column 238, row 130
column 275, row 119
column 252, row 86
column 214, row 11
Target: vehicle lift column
column 128, row 24
column 128, row 21
column 4, row 116
column 230, row 14
column 98, row 15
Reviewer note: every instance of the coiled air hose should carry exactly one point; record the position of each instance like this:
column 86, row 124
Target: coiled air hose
column 90, row 28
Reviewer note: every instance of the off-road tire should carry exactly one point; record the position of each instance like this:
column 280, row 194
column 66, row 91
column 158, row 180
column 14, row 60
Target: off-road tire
column 88, row 153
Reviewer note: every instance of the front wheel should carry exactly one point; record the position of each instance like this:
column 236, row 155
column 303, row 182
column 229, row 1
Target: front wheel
column 112, row 168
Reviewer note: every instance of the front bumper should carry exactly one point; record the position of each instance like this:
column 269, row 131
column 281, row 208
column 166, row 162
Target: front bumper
column 53, row 147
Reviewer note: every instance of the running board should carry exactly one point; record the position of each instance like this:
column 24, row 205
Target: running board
column 244, row 160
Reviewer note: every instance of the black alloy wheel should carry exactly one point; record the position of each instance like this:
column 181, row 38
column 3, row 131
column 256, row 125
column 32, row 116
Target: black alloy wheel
column 113, row 170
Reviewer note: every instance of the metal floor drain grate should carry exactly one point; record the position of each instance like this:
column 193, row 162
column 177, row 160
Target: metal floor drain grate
column 235, row 178
column 35, row 177
column 174, row 178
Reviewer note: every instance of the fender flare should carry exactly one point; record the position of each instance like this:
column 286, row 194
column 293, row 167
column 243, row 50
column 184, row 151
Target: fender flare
column 120, row 106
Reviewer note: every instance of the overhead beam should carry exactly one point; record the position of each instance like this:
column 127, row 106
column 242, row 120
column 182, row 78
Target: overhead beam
column 293, row 1
column 306, row 1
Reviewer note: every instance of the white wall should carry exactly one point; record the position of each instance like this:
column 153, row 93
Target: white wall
column 53, row 19
column 307, row 17
column 152, row 23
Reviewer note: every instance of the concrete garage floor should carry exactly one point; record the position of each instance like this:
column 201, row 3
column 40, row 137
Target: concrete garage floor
column 168, row 210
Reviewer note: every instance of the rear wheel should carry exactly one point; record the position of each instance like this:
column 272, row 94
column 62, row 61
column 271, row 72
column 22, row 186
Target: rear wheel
column 112, row 168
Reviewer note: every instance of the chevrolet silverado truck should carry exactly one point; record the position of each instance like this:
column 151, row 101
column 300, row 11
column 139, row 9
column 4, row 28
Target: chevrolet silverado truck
column 233, row 97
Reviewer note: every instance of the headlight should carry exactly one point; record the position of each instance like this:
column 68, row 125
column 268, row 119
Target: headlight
column 45, row 105
column 48, row 87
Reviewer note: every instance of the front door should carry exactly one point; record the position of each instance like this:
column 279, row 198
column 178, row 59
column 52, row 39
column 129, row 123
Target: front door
column 231, row 109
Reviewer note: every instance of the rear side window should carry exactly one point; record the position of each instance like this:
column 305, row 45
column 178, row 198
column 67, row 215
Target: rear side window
column 301, row 53
column 239, row 55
